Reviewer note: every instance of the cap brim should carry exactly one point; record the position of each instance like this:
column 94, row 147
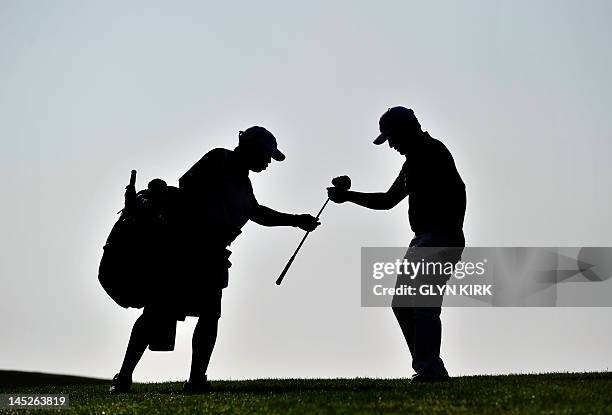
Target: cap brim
column 277, row 155
column 380, row 139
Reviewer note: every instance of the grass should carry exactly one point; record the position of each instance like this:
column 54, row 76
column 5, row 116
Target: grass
column 569, row 393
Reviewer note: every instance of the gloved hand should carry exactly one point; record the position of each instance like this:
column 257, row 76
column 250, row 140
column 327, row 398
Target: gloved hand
column 337, row 194
column 306, row 222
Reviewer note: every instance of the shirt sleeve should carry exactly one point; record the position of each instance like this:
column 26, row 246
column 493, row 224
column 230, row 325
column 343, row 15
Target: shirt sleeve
column 402, row 184
column 254, row 202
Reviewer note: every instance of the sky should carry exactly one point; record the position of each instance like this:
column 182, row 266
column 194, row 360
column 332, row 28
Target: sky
column 519, row 91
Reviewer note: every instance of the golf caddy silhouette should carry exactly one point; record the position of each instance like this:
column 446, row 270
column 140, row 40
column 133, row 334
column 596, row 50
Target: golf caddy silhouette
column 437, row 202
column 217, row 201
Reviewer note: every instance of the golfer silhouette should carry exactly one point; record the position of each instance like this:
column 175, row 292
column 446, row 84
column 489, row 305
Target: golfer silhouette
column 217, row 201
column 437, row 202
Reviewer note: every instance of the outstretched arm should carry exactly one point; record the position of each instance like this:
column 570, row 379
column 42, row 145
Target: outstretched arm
column 265, row 216
column 378, row 201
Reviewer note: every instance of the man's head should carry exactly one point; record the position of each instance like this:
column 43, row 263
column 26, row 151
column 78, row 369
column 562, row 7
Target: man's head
column 400, row 127
column 258, row 147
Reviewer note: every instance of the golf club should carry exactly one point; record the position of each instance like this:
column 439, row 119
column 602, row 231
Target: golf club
column 341, row 182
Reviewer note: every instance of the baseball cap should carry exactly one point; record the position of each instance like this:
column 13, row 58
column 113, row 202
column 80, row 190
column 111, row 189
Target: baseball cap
column 262, row 137
column 396, row 119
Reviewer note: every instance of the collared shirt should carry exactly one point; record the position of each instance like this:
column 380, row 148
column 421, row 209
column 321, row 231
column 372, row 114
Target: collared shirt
column 436, row 192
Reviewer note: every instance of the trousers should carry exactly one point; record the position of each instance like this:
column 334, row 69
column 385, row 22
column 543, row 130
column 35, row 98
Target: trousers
column 419, row 316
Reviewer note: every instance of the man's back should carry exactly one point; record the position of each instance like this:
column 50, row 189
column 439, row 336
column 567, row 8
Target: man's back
column 436, row 192
column 218, row 194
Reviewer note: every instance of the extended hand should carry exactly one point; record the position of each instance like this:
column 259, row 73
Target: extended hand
column 306, row 222
column 337, row 194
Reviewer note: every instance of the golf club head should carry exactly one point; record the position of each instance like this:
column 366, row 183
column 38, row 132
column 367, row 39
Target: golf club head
column 342, row 182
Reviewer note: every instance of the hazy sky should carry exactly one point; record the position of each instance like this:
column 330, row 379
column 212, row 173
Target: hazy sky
column 520, row 92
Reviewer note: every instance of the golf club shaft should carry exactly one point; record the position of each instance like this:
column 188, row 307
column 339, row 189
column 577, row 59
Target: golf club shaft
column 282, row 275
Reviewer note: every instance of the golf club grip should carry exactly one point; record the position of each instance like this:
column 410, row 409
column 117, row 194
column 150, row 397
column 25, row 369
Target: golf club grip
column 282, row 275
column 280, row 278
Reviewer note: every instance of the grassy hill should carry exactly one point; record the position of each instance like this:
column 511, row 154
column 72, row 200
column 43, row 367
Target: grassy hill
column 12, row 378
column 570, row 393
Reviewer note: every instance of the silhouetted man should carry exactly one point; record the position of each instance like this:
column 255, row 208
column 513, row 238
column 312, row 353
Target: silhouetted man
column 218, row 201
column 437, row 203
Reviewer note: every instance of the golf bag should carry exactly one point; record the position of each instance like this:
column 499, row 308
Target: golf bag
column 140, row 249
